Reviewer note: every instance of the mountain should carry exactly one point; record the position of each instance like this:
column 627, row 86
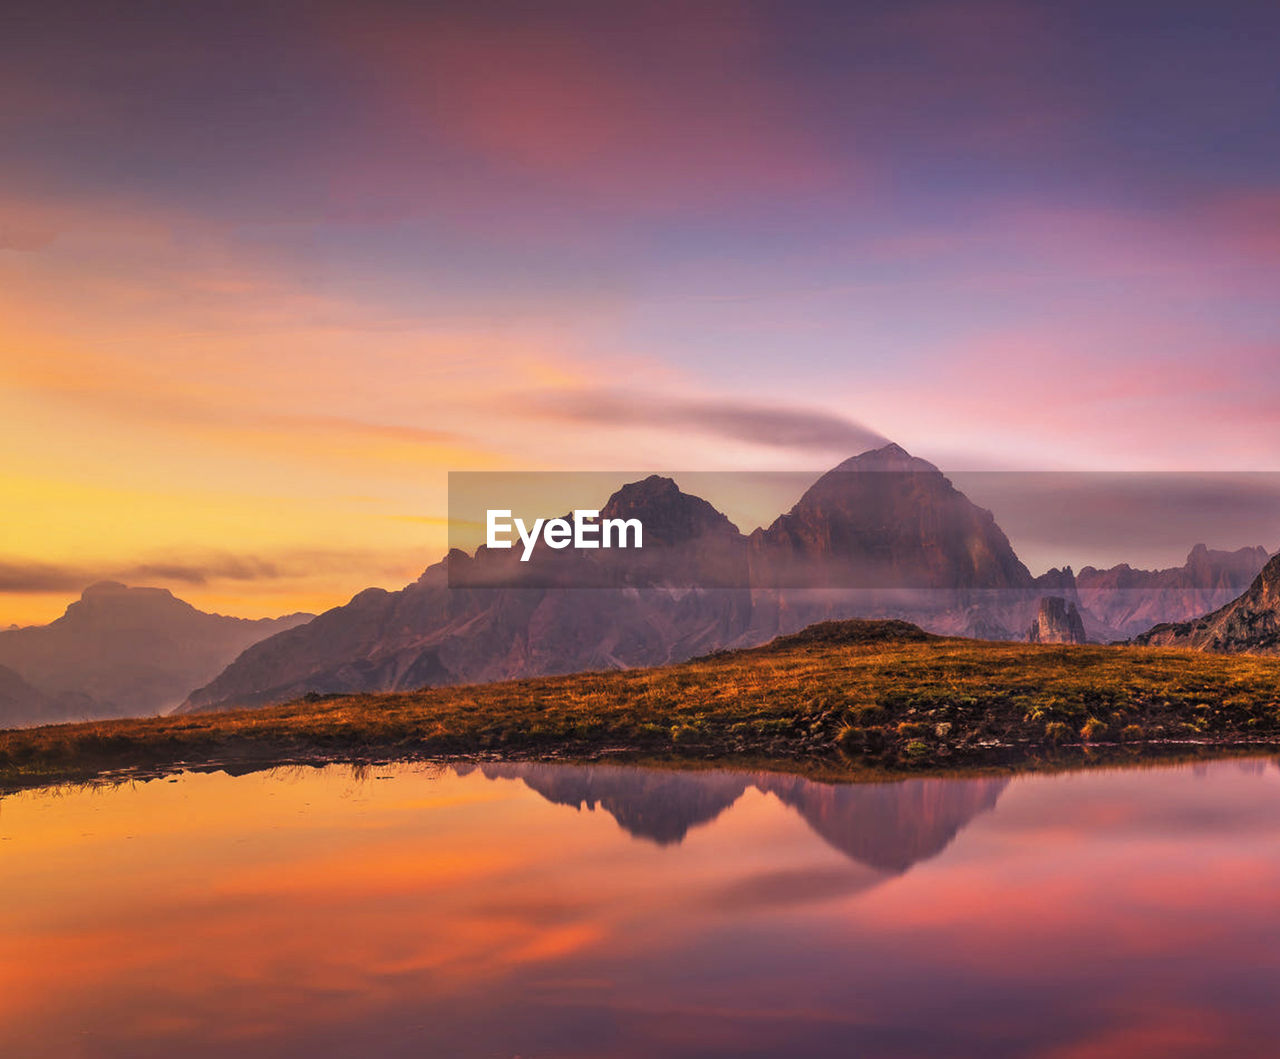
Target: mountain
column 887, row 826
column 1058, row 621
column 489, row 617
column 882, row 535
column 1129, row 601
column 1120, row 602
column 886, row 534
column 122, row 651
column 22, row 705
column 657, row 805
column 1248, row 624
column 886, row 519
column 882, row 518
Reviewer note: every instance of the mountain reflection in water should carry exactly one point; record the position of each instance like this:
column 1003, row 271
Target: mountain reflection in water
column 414, row 910
column 887, row 826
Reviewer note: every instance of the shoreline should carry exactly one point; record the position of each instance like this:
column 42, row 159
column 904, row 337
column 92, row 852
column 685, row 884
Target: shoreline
column 850, row 700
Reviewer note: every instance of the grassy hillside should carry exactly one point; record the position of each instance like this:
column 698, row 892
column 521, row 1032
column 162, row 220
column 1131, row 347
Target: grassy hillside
column 852, row 694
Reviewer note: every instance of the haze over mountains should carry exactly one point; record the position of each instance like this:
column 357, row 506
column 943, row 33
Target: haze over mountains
column 119, row 651
column 887, row 528
column 1120, row 602
column 1248, row 624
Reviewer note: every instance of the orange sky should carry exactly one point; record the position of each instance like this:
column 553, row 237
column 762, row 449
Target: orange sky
column 268, row 274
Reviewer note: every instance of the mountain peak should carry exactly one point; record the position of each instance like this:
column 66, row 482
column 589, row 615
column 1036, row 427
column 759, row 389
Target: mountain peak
column 654, row 488
column 669, row 514
column 891, row 519
column 103, row 597
column 125, row 651
column 890, row 457
column 103, row 588
column 891, row 449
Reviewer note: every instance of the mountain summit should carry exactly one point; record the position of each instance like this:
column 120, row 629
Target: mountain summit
column 887, row 519
column 670, row 516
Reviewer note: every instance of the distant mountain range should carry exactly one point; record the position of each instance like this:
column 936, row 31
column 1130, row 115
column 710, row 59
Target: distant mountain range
column 22, row 704
column 883, row 535
column 1120, row 602
column 1248, row 624
column 119, row 652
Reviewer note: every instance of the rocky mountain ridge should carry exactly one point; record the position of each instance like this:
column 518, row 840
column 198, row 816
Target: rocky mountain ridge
column 1121, row 601
column 892, row 534
column 883, row 535
column 1249, row 624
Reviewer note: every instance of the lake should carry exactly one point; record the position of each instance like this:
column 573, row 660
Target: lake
column 540, row 910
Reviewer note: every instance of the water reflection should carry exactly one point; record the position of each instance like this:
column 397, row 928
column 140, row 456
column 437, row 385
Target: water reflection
column 888, row 826
column 486, row 912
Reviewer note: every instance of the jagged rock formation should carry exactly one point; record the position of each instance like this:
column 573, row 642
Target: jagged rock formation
column 1058, row 621
column 122, row 651
column 1133, row 600
column 1120, row 602
column 1250, row 624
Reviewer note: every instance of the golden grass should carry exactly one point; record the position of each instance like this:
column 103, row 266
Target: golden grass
column 897, row 704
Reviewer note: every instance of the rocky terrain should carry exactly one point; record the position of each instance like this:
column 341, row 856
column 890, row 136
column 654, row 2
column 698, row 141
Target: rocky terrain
column 1057, row 621
column 1250, row 624
column 1121, row 601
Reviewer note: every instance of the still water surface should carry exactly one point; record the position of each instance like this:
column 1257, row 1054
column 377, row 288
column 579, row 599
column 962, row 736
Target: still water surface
column 561, row 911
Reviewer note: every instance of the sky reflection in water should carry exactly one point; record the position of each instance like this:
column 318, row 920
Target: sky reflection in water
column 541, row 910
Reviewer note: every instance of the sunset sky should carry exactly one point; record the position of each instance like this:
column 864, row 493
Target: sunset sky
column 268, row 271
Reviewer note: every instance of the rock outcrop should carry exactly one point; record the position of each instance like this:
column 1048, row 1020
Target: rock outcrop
column 1250, row 624
column 1129, row 601
column 1058, row 621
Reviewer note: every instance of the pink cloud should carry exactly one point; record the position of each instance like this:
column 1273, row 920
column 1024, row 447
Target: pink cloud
column 678, row 111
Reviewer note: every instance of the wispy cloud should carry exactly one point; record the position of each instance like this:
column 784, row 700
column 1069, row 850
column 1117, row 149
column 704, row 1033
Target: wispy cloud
column 19, row 577
column 805, row 429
